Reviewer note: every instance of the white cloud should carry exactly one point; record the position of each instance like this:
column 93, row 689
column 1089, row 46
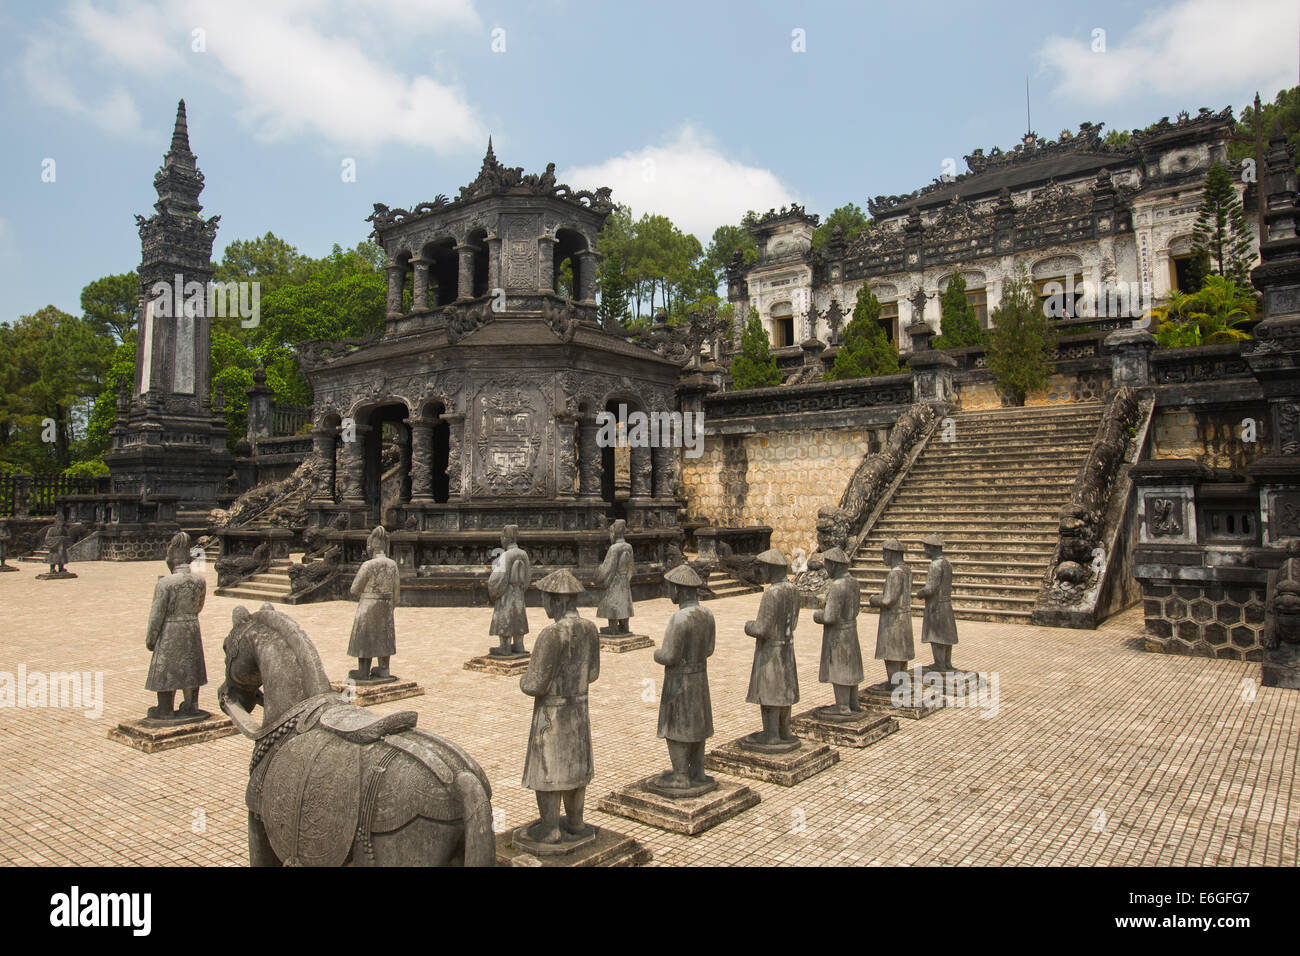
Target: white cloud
column 45, row 66
column 1191, row 49
column 688, row 180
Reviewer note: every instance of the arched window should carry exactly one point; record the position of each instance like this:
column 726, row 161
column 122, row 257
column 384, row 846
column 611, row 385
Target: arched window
column 568, row 242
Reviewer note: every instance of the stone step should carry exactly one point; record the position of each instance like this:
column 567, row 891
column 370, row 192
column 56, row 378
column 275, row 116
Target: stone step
column 890, row 527
column 1034, row 412
column 966, row 546
column 965, row 566
column 245, row 593
column 1012, row 455
column 275, row 576
column 261, row 587
column 1021, row 575
column 1010, row 506
column 967, row 601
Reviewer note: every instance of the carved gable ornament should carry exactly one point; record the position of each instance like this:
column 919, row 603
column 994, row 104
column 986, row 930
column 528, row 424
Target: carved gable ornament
column 509, row 438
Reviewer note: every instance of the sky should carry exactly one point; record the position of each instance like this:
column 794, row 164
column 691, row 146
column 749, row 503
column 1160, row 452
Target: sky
column 697, row 110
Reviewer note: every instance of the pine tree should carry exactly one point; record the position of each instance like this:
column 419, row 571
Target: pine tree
column 1221, row 230
column 960, row 326
column 865, row 351
column 754, row 366
column 1022, row 341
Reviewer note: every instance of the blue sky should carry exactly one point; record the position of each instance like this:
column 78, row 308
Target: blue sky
column 699, row 110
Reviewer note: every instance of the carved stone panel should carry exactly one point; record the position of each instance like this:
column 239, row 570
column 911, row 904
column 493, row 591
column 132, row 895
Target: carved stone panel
column 512, row 440
column 1165, row 516
column 520, row 252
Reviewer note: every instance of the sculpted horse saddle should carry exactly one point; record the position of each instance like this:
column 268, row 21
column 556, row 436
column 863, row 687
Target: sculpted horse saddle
column 334, row 775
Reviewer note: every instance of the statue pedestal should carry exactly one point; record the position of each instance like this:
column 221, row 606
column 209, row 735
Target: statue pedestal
column 919, row 701
column 505, row 665
column 621, row 643
column 686, row 814
column 860, row 731
column 367, row 692
column 785, row 769
column 52, row 575
column 1281, row 666
column 7, row 567
column 152, row 735
column 956, row 683
column 602, row 848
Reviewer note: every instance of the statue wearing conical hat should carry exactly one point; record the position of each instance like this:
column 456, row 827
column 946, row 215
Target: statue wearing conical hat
column 685, row 709
column 511, row 574
column 377, row 588
column 773, row 682
column 841, row 665
column 173, row 636
column 894, row 637
column 615, row 576
column 564, row 662
column 939, row 626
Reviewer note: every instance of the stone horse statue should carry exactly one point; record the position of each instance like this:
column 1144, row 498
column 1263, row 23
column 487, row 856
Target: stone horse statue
column 331, row 784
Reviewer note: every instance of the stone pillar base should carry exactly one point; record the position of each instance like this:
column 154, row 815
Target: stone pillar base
column 785, row 769
column 604, row 848
column 151, row 736
column 860, row 731
column 366, row 692
column 687, row 814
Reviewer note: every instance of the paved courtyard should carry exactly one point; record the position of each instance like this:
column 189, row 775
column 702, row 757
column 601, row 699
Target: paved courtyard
column 1099, row 753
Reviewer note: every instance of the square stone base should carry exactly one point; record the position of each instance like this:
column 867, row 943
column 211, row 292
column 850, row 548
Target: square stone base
column 621, row 643
column 141, row 736
column 860, row 732
column 785, row 769
column 688, row 815
column 55, row 576
column 880, row 697
column 8, row 567
column 505, row 666
column 607, row 849
column 365, row 694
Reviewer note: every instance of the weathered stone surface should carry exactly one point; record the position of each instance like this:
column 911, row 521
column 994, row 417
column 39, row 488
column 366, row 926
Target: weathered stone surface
column 622, row 643
column 784, row 769
column 367, row 694
column 861, row 731
column 880, row 697
column 608, row 848
column 689, row 815
column 502, row 666
column 153, row 736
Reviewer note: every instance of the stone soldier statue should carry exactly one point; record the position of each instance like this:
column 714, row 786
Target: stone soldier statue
column 615, row 576
column 5, row 537
column 56, row 539
column 377, row 588
column 773, row 683
column 558, row 767
column 841, row 652
column 685, row 710
column 939, row 626
column 894, row 638
column 173, row 637
column 511, row 574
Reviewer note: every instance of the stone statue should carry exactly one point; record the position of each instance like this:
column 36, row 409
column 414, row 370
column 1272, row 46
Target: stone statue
column 894, row 638
column 1281, row 634
column 773, row 683
column 5, row 537
column 377, row 587
column 558, row 765
column 939, row 626
column 685, row 710
column 841, row 652
column 173, row 637
column 511, row 574
column 615, row 576
column 56, row 540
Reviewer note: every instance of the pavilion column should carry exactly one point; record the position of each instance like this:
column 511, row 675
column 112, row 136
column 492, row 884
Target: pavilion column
column 465, row 277
column 495, row 280
column 566, row 455
column 421, row 459
column 322, row 446
column 585, row 281
column 404, row 467
column 455, row 438
column 589, row 461
column 420, row 284
column 396, row 278
column 546, row 261
column 662, row 467
column 640, row 467
column 354, row 467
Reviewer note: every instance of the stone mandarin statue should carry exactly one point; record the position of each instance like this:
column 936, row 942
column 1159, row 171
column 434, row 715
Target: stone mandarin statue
column 685, row 710
column 894, row 638
column 841, row 665
column 615, row 576
column 377, row 587
column 56, row 539
column 564, row 662
column 939, row 626
column 511, row 574
column 173, row 637
column 773, row 683
column 5, row 537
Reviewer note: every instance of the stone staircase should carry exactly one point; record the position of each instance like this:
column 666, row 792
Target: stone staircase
column 725, row 585
column 993, row 493
column 270, row 585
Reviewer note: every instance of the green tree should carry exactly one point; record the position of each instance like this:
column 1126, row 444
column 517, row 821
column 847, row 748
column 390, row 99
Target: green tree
column 1285, row 111
column 754, row 366
column 959, row 325
column 1215, row 313
column 1022, row 341
column 726, row 242
column 865, row 350
column 1221, row 231
column 110, row 304
column 268, row 260
column 851, row 220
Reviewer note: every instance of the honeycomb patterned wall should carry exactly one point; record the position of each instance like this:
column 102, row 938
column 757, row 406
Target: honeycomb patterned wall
column 1204, row 620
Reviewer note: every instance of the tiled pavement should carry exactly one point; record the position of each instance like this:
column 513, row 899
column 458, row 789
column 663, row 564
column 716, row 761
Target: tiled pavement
column 1099, row 753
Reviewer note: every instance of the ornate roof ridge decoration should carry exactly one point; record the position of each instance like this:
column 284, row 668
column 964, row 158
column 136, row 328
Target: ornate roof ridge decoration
column 1204, row 118
column 313, row 354
column 497, row 179
column 178, row 183
column 793, row 212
